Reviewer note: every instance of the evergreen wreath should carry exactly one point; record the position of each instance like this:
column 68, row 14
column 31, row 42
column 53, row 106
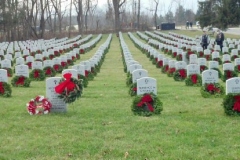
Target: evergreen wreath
column 69, row 89
column 218, row 60
column 64, row 65
column 146, row 105
column 9, row 71
column 29, row 65
column 228, row 74
column 165, row 68
column 159, row 64
column 208, row 57
column 200, row 54
column 234, row 57
column 84, row 80
column 179, row 57
column 193, row 80
column 237, row 68
column 20, row 81
column 203, row 68
column 129, row 79
column 231, row 104
column 170, row 72
column 58, row 68
column 37, row 74
column 49, row 71
column 133, row 89
column 70, row 62
column 94, row 72
column 212, row 89
column 89, row 75
column 5, row 89
column 174, row 54
column 180, row 75
column 39, row 105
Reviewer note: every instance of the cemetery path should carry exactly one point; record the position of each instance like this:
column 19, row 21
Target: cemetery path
column 109, row 85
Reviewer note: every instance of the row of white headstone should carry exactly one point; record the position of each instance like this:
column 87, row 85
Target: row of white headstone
column 145, row 84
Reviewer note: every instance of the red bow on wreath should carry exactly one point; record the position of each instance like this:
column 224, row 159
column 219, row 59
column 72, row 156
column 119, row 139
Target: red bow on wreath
column 36, row 74
column 236, row 105
column 1, row 88
column 56, row 67
column 211, row 87
column 86, row 73
column 20, row 80
column 147, row 99
column 67, row 85
column 48, row 71
column 182, row 73
column 194, row 78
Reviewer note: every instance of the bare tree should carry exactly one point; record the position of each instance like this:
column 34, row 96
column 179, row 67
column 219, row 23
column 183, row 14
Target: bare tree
column 155, row 12
column 79, row 9
column 138, row 15
column 117, row 4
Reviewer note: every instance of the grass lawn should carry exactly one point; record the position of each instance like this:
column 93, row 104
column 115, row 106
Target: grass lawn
column 100, row 125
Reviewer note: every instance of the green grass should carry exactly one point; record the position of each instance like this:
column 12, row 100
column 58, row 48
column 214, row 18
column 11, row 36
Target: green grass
column 100, row 125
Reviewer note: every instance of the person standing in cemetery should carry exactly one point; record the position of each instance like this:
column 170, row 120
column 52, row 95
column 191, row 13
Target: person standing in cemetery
column 219, row 39
column 190, row 24
column 204, row 40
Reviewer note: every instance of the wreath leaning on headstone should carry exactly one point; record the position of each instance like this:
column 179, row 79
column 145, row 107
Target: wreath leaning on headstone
column 212, row 90
column 69, row 89
column 146, row 105
column 20, row 81
column 231, row 104
column 5, row 89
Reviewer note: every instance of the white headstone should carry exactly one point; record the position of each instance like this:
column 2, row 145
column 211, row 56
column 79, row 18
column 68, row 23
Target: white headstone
column 139, row 73
column 193, row 69
column 134, row 67
column 213, row 64
column 22, row 70
column 80, row 69
column 6, row 63
column 209, row 76
column 202, row 62
column 3, row 75
column 228, row 66
column 146, row 85
column 233, row 85
column 47, row 63
column 37, row 65
column 72, row 71
column 193, row 59
column 181, row 65
column 226, row 58
column 19, row 61
column 58, row 105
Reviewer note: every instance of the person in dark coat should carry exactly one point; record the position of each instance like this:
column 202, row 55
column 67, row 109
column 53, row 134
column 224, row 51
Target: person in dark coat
column 219, row 39
column 204, row 40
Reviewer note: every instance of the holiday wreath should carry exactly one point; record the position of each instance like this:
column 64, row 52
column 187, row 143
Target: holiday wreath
column 180, row 75
column 84, row 80
column 20, row 81
column 58, row 68
column 237, row 68
column 228, row 74
column 133, row 89
column 5, row 89
column 193, row 80
column 165, row 68
column 170, row 72
column 146, row 105
column 69, row 89
column 39, row 105
column 212, row 89
column 49, row 71
column 231, row 104
column 9, row 71
column 37, row 74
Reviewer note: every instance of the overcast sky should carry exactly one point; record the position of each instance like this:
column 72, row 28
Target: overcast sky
column 163, row 7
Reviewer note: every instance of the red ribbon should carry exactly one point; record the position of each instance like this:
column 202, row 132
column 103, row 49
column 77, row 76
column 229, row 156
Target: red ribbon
column 86, row 73
column 29, row 64
column 160, row 63
column 20, row 80
column 210, row 87
column 36, row 74
column 194, row 78
column 63, row 64
column 171, row 70
column 238, row 67
column 147, row 100
column 1, row 88
column 81, row 51
column 229, row 74
column 134, row 89
column 48, row 71
column 182, row 73
column 166, row 68
column 67, row 85
column 236, row 106
column 56, row 67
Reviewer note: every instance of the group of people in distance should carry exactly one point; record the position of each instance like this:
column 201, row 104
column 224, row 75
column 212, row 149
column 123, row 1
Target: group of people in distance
column 205, row 40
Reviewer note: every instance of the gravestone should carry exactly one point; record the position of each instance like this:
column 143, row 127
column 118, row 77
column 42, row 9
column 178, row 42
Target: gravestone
column 226, row 58
column 233, row 85
column 80, row 69
column 228, row 66
column 237, row 61
column 193, row 59
column 8, row 56
column 19, row 61
column 22, row 70
column 172, row 63
column 47, row 63
column 56, row 60
column 37, row 65
column 213, row 64
column 17, row 54
column 139, row 73
column 6, row 63
column 87, row 65
column 72, row 71
column 134, row 67
column 193, row 69
column 58, row 105
column 146, row 85
column 3, row 75
column 215, row 55
column 202, row 62
column 209, row 76
column 180, row 65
